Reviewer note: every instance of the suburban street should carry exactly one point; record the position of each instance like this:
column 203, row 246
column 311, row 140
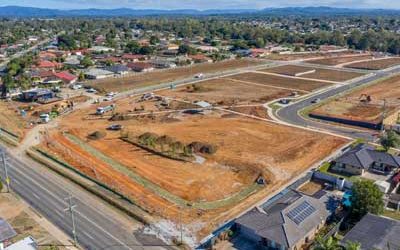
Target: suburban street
column 97, row 225
column 291, row 113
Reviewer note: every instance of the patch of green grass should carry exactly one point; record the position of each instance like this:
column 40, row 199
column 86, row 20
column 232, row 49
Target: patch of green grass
column 392, row 214
column 325, row 168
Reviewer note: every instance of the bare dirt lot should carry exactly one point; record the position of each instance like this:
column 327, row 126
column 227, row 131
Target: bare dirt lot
column 280, row 81
column 352, row 106
column 165, row 76
column 11, row 120
column 226, row 92
column 336, row 60
column 216, row 185
column 320, row 74
column 376, row 64
column 305, row 56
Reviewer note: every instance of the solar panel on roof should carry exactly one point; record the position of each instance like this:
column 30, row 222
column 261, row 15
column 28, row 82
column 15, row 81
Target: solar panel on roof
column 301, row 212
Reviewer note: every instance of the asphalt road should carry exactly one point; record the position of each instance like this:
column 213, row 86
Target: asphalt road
column 291, row 113
column 96, row 225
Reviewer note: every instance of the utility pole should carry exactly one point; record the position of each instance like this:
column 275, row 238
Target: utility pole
column 71, row 209
column 4, row 160
column 383, row 116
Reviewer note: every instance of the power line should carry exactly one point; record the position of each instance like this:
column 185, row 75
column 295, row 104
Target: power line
column 71, row 208
column 4, row 160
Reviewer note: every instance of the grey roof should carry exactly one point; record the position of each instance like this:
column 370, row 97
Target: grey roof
column 6, row 231
column 275, row 224
column 364, row 156
column 117, row 68
column 375, row 232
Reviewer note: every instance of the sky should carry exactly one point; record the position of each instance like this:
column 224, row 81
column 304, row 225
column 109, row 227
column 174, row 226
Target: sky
column 199, row 4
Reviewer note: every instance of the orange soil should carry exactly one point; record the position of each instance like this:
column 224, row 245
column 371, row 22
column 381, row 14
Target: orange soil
column 352, row 108
column 320, row 74
column 246, row 147
column 376, row 64
column 279, row 81
column 227, row 92
column 339, row 60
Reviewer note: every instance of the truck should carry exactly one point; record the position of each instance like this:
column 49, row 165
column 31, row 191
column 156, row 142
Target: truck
column 103, row 110
column 44, row 118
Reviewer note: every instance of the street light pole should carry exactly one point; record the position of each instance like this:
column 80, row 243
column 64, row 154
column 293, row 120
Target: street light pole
column 3, row 156
column 71, row 209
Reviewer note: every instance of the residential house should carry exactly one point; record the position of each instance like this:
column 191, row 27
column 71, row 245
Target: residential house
column 48, row 65
column 47, row 56
column 200, row 58
column 118, row 69
column 66, row 77
column 6, row 233
column 27, row 243
column 288, row 223
column 132, row 58
column 255, row 53
column 207, row 49
column 140, row 67
column 36, row 94
column 364, row 158
column 96, row 73
column 100, row 49
column 73, row 61
column 375, row 232
column 163, row 64
column 41, row 76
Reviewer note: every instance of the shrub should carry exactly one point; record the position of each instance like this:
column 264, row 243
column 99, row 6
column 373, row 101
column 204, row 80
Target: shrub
column 97, row 135
column 204, row 148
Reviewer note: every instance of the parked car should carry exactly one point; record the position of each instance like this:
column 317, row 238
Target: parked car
column 115, row 127
column 91, row 90
column 108, row 99
column 316, row 100
column 76, row 86
column 198, row 76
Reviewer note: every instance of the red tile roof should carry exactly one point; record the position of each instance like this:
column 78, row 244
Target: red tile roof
column 65, row 76
column 47, row 64
column 132, row 56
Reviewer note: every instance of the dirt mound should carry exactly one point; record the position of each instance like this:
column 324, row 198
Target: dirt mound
column 97, row 135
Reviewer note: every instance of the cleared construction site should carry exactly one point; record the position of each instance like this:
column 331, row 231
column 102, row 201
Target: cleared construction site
column 197, row 154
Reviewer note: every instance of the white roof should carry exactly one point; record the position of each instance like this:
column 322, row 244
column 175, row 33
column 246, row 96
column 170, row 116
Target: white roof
column 26, row 244
column 203, row 104
column 98, row 72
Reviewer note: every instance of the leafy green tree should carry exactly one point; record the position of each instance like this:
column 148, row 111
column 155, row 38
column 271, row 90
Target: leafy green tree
column 66, row 42
column 132, row 47
column 352, row 245
column 326, row 244
column 366, row 198
column 146, row 50
column 186, row 49
column 154, row 40
column 86, row 62
column 390, row 139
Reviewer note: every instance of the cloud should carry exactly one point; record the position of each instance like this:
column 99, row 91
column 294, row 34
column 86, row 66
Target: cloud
column 199, row 4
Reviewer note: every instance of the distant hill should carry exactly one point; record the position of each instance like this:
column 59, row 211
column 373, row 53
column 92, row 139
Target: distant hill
column 17, row 11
